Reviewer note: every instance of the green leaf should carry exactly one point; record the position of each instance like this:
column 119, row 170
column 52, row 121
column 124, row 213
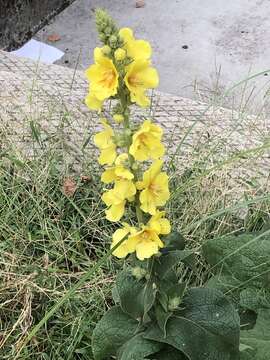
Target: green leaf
column 245, row 257
column 254, row 299
column 111, row 332
column 166, row 262
column 115, row 295
column 136, row 296
column 259, row 337
column 213, row 323
column 174, row 241
column 137, row 348
column 228, row 285
column 169, row 353
column 162, row 317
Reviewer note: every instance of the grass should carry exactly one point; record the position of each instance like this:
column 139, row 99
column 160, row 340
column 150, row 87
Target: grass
column 53, row 285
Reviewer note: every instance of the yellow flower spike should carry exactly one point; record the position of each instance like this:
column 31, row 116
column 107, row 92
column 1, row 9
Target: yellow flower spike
column 140, row 76
column 120, row 54
column 118, row 118
column 118, row 172
column 123, row 250
column 146, row 142
column 159, row 224
column 103, row 79
column 145, row 242
column 104, row 141
column 154, row 186
column 136, row 49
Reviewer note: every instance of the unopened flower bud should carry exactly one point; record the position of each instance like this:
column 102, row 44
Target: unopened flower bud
column 174, row 303
column 106, row 50
column 120, row 54
column 108, row 30
column 147, row 276
column 118, row 118
column 138, row 272
column 135, row 167
column 128, row 132
column 102, row 37
column 113, row 41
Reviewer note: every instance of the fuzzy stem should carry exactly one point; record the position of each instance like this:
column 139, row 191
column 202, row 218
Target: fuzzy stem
column 124, row 105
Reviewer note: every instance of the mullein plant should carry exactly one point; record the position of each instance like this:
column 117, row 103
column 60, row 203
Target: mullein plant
column 155, row 315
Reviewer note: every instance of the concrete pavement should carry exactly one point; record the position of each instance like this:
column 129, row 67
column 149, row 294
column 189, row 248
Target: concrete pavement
column 212, row 43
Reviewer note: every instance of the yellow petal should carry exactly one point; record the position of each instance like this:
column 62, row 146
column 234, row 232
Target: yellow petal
column 108, row 176
column 122, row 250
column 107, row 156
column 115, row 212
column 126, row 34
column 92, row 102
column 146, row 249
column 139, row 49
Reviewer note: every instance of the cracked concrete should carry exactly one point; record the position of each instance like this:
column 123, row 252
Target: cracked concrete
column 197, row 45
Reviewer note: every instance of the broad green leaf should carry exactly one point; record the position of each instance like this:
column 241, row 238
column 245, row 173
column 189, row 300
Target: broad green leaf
column 111, row 332
column 254, row 299
column 206, row 329
column 169, row 353
column 259, row 337
column 115, row 295
column 245, row 257
column 247, row 355
column 137, row 348
column 166, row 262
column 136, row 296
column 174, row 241
column 228, row 285
column 162, row 317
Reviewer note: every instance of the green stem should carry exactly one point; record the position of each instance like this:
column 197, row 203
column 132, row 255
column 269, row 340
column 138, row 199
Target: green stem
column 124, row 105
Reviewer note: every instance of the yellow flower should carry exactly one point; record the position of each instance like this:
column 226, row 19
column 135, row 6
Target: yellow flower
column 146, row 142
column 116, row 205
column 145, row 242
column 103, row 79
column 104, row 141
column 117, row 172
column 116, row 198
column 136, row 49
column 154, row 186
column 159, row 224
column 140, row 76
column 124, row 249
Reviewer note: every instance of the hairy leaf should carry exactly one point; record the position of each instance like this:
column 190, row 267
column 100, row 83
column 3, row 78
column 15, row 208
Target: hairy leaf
column 245, row 258
column 259, row 337
column 207, row 328
column 136, row 296
column 174, row 241
column 169, row 353
column 137, row 348
column 166, row 262
column 111, row 332
column 255, row 299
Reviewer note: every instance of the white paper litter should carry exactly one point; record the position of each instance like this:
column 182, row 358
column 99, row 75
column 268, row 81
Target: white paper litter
column 39, row 51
